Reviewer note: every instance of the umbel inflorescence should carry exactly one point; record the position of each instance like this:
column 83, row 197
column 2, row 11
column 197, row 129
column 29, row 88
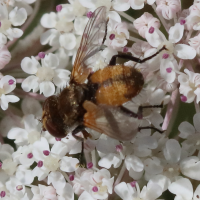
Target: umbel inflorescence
column 35, row 63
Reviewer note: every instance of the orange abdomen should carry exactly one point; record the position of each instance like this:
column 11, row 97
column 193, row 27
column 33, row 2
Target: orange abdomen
column 116, row 84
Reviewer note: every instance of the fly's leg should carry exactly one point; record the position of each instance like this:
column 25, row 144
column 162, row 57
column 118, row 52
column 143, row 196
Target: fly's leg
column 140, row 110
column 150, row 127
column 140, row 116
column 78, row 129
column 128, row 112
column 135, row 59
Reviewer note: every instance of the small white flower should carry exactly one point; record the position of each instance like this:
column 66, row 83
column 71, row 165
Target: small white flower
column 7, row 85
column 44, row 75
column 143, row 23
column 168, row 65
column 43, row 192
column 9, row 166
column 110, row 151
column 29, row 134
column 50, row 160
column 132, row 191
column 99, row 184
column 193, row 19
column 157, row 39
column 6, row 152
column 135, row 166
column 60, row 25
column 191, row 134
column 195, row 43
column 16, row 17
column 117, row 34
column 189, row 86
column 173, row 154
column 168, row 8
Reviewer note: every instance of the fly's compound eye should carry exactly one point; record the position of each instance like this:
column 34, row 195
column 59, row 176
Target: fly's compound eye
column 53, row 129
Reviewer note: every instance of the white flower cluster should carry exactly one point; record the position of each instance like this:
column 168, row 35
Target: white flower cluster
column 38, row 166
column 12, row 15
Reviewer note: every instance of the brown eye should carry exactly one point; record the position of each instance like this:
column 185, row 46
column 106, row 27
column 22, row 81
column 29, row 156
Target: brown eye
column 53, row 130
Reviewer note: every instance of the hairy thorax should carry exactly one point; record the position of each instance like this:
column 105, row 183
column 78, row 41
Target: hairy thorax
column 70, row 103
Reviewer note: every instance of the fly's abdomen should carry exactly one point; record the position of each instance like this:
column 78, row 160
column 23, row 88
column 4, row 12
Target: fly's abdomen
column 116, row 84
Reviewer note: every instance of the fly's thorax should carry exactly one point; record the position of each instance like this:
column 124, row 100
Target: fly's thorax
column 70, row 103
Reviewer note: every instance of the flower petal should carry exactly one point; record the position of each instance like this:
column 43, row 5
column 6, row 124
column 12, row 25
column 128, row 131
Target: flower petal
column 137, row 5
column 50, row 60
column 79, row 24
column 172, row 151
column 182, row 187
column 4, row 102
column 18, row 16
column 49, row 20
column 14, row 33
column 176, row 33
column 5, row 56
column 197, row 193
column 29, row 83
column 3, row 11
column 47, row 88
column 68, row 164
column 12, row 98
column 120, row 5
column 51, row 36
column 18, row 134
column 184, row 51
column 162, row 181
column 85, row 196
column 155, row 38
column 123, row 191
column 4, row 82
column 68, row 41
column 30, row 65
column 190, row 167
column 61, row 78
column 186, row 129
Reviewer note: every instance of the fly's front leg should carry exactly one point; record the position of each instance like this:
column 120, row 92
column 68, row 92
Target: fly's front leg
column 135, row 59
column 78, row 129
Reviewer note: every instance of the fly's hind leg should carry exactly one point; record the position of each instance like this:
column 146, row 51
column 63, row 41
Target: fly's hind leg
column 150, row 127
column 128, row 112
column 78, row 129
column 135, row 59
column 139, row 115
column 140, row 110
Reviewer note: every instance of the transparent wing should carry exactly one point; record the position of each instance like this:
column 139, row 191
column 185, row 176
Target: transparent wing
column 92, row 41
column 110, row 121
